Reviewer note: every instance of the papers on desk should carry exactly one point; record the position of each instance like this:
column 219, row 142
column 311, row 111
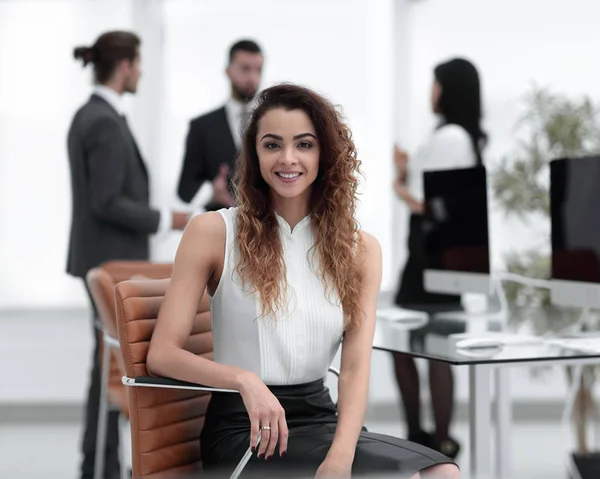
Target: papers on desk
column 584, row 345
column 513, row 339
column 402, row 315
column 503, row 339
column 589, row 345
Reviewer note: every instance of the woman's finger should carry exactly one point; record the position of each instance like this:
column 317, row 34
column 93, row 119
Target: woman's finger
column 274, row 436
column 253, row 431
column 265, row 436
column 283, row 434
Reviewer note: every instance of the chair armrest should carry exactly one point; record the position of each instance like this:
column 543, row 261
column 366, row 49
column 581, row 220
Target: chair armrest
column 112, row 341
column 167, row 383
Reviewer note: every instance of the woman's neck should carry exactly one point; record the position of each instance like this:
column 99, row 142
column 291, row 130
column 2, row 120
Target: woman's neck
column 292, row 210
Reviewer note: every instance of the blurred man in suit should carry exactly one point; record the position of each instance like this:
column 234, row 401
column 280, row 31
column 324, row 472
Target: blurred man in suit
column 111, row 218
column 214, row 139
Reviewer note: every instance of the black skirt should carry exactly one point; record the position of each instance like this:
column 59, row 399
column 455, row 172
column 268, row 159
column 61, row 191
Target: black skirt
column 412, row 295
column 311, row 419
column 412, row 290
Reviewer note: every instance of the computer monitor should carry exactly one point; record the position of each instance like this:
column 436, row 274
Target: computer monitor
column 575, row 232
column 456, row 234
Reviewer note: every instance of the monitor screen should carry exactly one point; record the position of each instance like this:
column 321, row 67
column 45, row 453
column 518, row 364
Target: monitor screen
column 456, row 220
column 575, row 219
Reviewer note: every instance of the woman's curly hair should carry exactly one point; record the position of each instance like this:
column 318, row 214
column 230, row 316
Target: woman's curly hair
column 332, row 208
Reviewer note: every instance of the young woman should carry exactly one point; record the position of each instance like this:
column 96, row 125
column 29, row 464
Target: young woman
column 289, row 274
column 456, row 143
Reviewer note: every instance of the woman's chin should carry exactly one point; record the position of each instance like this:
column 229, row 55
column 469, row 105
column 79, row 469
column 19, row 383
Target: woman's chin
column 290, row 191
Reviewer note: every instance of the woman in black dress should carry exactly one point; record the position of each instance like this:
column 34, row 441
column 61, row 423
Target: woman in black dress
column 457, row 142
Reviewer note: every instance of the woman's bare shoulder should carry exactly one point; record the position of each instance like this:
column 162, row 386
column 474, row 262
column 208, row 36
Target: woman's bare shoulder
column 369, row 243
column 211, row 221
column 204, row 233
column 370, row 251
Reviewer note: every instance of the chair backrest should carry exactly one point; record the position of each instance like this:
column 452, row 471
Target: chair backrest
column 101, row 282
column 165, row 423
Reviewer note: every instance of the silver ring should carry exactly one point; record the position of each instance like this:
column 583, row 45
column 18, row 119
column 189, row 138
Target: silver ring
column 265, row 428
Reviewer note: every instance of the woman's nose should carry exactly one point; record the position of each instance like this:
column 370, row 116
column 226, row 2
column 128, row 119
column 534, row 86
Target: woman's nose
column 289, row 156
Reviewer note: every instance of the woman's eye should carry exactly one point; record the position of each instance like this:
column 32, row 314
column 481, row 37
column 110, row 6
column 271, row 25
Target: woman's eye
column 271, row 146
column 305, row 144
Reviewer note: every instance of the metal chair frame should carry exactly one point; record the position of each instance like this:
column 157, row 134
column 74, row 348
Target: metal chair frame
column 109, row 344
column 174, row 384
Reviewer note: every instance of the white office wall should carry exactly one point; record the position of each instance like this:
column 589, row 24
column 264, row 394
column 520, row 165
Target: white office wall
column 341, row 48
column 41, row 86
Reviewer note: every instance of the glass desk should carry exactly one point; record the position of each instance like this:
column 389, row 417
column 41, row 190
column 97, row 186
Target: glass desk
column 485, row 365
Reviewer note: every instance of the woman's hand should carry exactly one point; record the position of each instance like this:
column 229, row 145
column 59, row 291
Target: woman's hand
column 264, row 410
column 401, row 162
column 332, row 467
column 403, row 193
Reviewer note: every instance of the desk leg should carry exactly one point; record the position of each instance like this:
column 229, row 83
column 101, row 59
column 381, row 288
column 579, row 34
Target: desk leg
column 503, row 422
column 480, row 427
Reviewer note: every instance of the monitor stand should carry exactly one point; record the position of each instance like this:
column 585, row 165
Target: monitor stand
column 581, row 382
column 496, row 317
column 493, row 318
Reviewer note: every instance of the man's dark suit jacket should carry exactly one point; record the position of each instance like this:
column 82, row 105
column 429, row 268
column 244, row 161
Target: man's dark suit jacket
column 209, row 144
column 111, row 216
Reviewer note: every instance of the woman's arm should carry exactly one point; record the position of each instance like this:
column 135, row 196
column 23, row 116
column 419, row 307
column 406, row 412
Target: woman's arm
column 400, row 183
column 200, row 251
column 401, row 163
column 355, row 369
column 404, row 194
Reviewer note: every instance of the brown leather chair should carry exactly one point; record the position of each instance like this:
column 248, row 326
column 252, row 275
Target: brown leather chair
column 165, row 423
column 101, row 282
column 166, row 415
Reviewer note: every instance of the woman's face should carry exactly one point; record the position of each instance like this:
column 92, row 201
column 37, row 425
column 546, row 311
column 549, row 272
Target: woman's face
column 288, row 152
column 436, row 92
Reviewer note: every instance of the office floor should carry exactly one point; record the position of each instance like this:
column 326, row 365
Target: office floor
column 50, row 451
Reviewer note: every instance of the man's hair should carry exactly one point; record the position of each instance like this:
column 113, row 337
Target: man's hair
column 243, row 46
column 110, row 49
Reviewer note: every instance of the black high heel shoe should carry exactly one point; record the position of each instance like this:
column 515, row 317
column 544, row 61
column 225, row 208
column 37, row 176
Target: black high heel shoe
column 448, row 447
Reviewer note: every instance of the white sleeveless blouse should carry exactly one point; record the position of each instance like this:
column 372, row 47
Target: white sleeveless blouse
column 299, row 344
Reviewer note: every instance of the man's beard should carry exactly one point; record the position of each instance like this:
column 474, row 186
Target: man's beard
column 242, row 96
column 130, row 87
